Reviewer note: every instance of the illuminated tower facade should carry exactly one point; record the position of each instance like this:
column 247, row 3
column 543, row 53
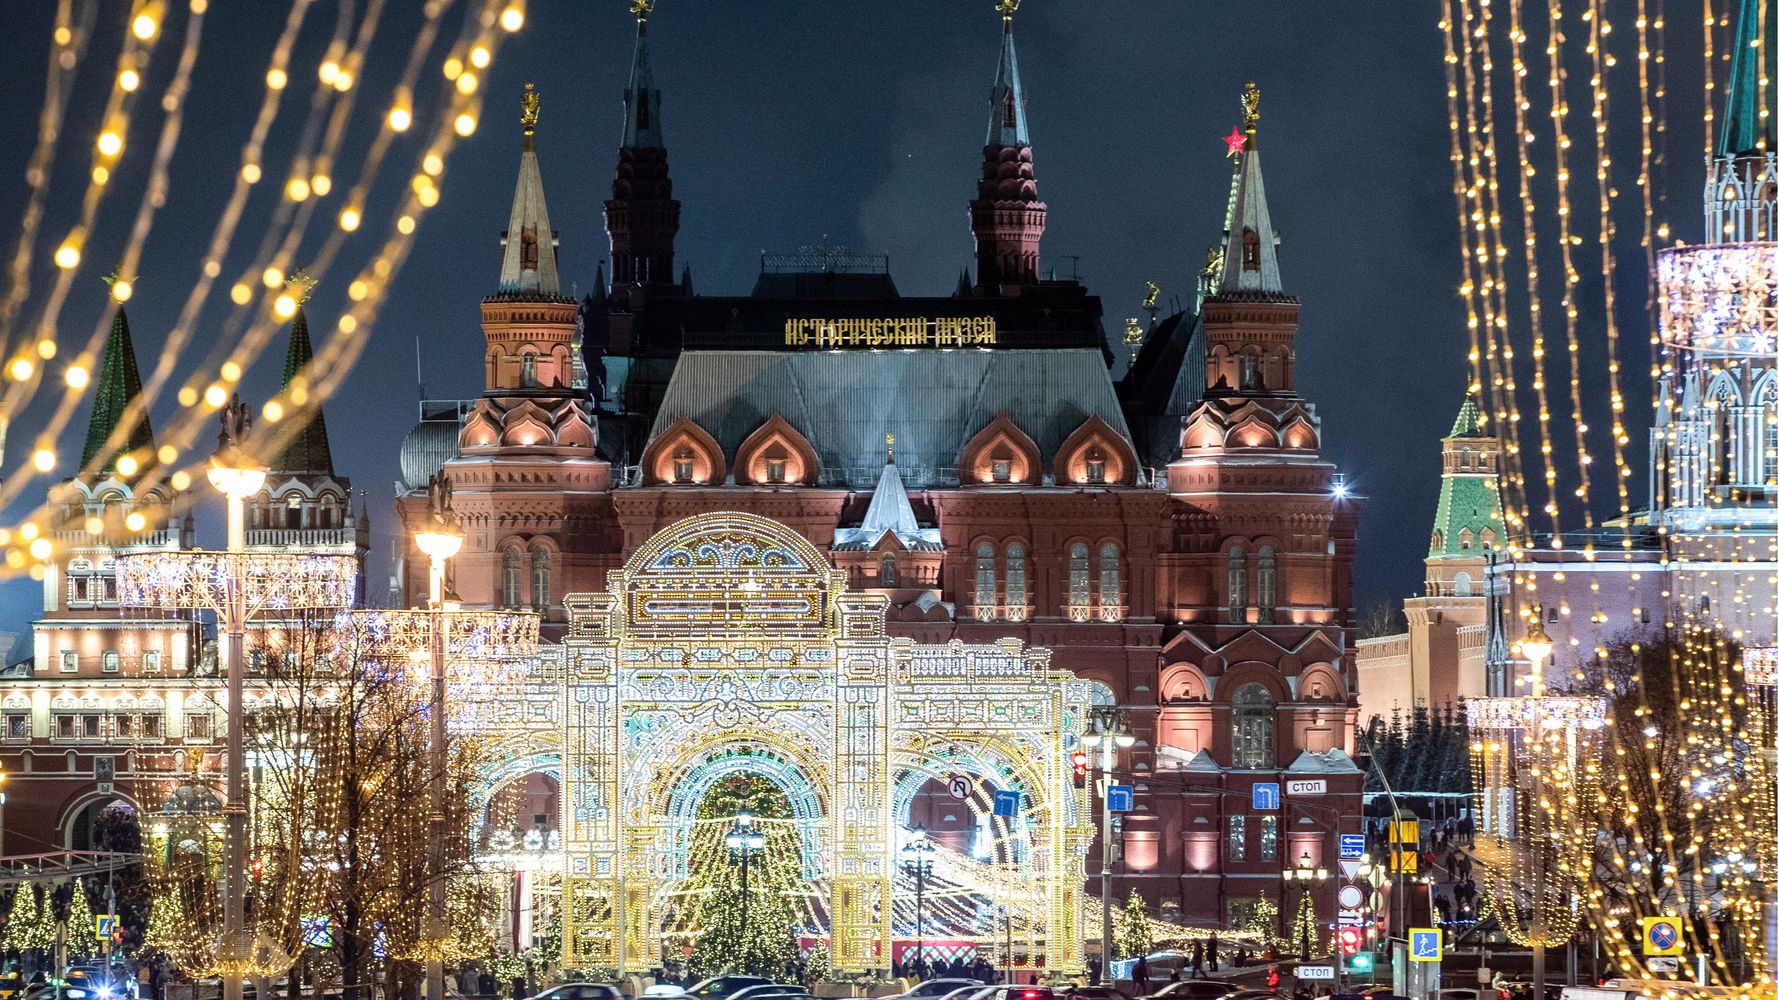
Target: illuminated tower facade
column 1006, row 216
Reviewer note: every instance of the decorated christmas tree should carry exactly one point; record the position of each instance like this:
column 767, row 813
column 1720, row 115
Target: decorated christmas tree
column 79, row 916
column 30, row 926
column 1262, row 920
column 1134, row 937
column 759, row 937
column 1305, row 928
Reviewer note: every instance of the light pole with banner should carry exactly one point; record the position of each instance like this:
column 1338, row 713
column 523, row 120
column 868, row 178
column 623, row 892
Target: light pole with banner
column 1107, row 733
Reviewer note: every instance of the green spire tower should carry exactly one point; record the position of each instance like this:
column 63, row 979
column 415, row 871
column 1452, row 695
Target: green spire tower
column 1750, row 110
column 1469, row 521
column 307, row 452
column 120, row 382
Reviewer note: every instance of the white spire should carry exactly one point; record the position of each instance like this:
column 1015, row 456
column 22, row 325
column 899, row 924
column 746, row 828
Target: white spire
column 889, row 508
column 528, row 265
column 1250, row 246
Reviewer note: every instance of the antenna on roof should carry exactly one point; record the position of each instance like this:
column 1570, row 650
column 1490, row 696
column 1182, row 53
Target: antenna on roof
column 419, row 375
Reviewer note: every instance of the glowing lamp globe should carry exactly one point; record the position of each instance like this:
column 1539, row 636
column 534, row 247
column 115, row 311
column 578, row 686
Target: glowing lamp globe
column 236, row 484
column 439, row 544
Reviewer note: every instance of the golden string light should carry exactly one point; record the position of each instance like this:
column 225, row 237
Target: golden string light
column 199, row 397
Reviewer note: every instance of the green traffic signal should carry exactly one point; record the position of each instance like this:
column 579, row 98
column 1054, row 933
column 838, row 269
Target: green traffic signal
column 1360, row 962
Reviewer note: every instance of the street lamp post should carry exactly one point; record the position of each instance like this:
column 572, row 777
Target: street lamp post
column 440, row 540
column 742, row 841
column 1108, row 733
column 487, row 647
column 916, row 859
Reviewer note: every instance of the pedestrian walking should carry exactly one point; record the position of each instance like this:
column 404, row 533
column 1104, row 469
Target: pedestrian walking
column 1213, row 950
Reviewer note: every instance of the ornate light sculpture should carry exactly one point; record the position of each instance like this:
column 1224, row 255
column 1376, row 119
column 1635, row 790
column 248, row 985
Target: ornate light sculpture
column 481, row 648
column 1536, row 759
column 236, row 585
column 1721, row 299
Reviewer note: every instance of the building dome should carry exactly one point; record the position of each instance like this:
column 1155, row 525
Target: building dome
column 426, row 449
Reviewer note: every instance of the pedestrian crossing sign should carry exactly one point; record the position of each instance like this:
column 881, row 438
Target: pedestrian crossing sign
column 1426, row 944
column 103, row 926
column 1662, row 936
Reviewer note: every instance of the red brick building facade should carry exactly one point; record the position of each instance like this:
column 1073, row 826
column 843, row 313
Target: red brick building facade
column 1174, row 534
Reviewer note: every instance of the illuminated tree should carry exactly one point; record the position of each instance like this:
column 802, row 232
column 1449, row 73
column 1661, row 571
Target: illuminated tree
column 1134, row 935
column 1262, row 919
column 1305, row 928
column 766, row 942
column 30, row 925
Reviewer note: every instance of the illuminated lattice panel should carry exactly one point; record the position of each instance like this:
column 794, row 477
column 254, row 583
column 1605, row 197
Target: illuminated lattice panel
column 1720, row 299
column 1759, row 665
column 1549, row 712
column 489, row 655
column 280, row 581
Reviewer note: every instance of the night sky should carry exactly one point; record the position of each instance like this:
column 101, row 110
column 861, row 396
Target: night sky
column 796, row 123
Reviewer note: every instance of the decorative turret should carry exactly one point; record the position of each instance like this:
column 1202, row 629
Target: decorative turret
column 1741, row 197
column 120, row 383
column 308, row 452
column 1250, row 246
column 528, row 247
column 1469, row 523
column 641, row 215
column 536, row 398
column 1006, row 216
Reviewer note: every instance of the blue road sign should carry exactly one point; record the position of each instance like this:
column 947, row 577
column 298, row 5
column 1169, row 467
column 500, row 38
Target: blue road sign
column 1120, row 798
column 1351, row 846
column 1006, row 803
column 1426, row 944
column 1265, row 795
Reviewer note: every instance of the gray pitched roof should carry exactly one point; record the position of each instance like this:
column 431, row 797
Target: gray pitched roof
column 889, row 511
column 932, row 401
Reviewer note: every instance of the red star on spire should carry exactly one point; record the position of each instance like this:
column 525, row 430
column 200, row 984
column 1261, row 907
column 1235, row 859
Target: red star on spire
column 1236, row 139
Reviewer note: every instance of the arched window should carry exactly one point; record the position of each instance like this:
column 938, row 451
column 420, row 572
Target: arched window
column 886, row 575
column 682, row 467
column 1460, row 585
column 540, row 579
column 1096, row 467
column 1268, row 583
column 984, row 581
column 1111, row 584
column 1487, row 538
column 1237, row 584
column 1015, row 581
column 527, row 369
column 512, row 579
column 1253, row 728
column 1080, row 579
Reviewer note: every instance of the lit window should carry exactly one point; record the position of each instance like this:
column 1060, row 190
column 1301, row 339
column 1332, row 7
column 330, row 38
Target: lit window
column 1079, row 578
column 528, row 370
column 109, row 662
column 984, row 581
column 1111, row 587
column 151, row 726
column 682, row 467
column 1268, row 838
column 89, row 726
column 512, row 580
column 1015, row 580
column 70, row 661
column 1096, row 467
column 1268, row 584
column 197, row 727
column 18, row 726
column 1002, row 470
column 151, row 662
column 775, row 470
column 1253, row 728
column 1237, row 585
column 1237, row 838
column 540, row 578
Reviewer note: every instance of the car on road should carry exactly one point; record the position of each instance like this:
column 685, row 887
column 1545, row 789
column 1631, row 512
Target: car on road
column 1093, row 993
column 580, row 991
column 1015, row 992
column 718, row 987
column 768, row 991
column 1195, row 989
column 936, row 989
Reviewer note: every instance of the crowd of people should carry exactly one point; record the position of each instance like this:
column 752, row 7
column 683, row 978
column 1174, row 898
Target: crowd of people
column 923, row 968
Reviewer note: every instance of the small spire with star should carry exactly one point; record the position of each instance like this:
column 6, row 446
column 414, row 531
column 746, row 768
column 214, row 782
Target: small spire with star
column 528, row 247
column 1250, row 244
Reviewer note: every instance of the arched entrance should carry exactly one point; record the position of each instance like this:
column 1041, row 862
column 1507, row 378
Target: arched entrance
column 729, row 646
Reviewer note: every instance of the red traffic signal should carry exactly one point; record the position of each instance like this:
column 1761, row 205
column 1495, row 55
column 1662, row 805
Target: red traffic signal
column 1079, row 759
column 1349, row 941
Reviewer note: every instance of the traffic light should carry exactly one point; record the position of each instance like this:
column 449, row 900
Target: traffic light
column 1360, row 962
column 1349, row 941
column 1079, row 759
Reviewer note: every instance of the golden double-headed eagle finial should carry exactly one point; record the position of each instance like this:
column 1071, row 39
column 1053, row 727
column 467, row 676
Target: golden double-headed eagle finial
column 1150, row 294
column 641, row 8
column 529, row 103
column 1007, row 8
column 1250, row 108
column 889, row 440
column 299, row 284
